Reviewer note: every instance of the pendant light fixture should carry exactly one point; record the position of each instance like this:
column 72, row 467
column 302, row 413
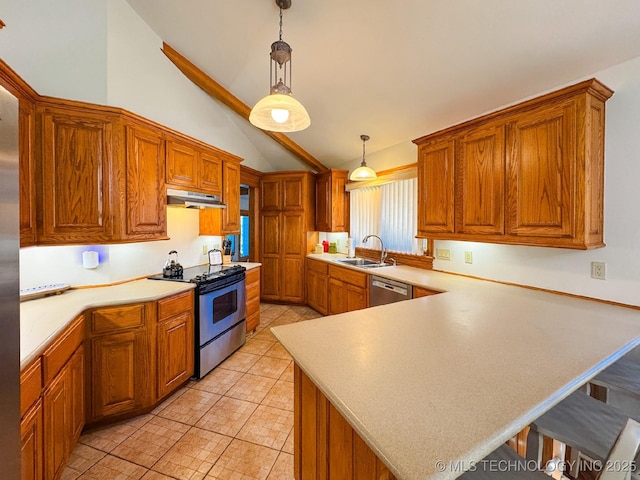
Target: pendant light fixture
column 279, row 111
column 363, row 172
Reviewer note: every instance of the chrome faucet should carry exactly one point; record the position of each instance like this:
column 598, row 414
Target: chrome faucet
column 383, row 253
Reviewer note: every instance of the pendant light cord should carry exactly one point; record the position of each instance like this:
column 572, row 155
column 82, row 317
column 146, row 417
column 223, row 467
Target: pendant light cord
column 280, row 23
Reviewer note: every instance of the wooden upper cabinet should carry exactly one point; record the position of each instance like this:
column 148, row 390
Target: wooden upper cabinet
column 270, row 193
column 76, row 164
column 332, row 201
column 192, row 166
column 146, row 201
column 224, row 221
column 26, row 142
column 210, row 172
column 531, row 174
column 541, row 162
column 436, row 167
column 182, row 164
column 231, row 198
column 480, row 175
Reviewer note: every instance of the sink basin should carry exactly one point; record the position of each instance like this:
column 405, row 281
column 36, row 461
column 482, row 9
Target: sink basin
column 362, row 262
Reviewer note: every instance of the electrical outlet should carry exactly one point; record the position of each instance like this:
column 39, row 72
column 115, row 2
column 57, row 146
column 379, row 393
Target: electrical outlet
column 204, row 249
column 599, row 270
column 443, row 254
column 468, row 257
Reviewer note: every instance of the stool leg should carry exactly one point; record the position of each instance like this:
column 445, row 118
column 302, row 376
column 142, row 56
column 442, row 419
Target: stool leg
column 534, row 446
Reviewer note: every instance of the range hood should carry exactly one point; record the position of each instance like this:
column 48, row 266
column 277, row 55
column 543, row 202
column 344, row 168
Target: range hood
column 183, row 198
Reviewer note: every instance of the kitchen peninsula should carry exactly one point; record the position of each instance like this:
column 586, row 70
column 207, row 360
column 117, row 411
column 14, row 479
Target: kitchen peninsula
column 445, row 378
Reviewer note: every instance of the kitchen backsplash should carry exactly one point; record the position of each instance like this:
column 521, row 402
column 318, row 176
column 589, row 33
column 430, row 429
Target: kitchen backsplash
column 63, row 264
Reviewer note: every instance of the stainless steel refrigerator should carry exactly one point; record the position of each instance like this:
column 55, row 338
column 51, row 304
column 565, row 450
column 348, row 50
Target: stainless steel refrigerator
column 9, row 289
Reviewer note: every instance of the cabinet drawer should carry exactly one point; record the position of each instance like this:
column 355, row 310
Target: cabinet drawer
column 30, row 385
column 116, row 318
column 317, row 266
column 57, row 354
column 253, row 305
column 349, row 276
column 253, row 321
column 253, row 290
column 253, row 276
column 170, row 306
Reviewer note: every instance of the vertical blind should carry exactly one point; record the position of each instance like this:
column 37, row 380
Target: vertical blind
column 389, row 211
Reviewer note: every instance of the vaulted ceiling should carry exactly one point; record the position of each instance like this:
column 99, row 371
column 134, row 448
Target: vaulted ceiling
column 395, row 70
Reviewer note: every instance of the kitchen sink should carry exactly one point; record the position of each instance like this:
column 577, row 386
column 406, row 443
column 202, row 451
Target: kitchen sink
column 362, row 262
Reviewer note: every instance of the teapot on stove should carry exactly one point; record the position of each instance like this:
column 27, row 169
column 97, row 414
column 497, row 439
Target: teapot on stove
column 172, row 269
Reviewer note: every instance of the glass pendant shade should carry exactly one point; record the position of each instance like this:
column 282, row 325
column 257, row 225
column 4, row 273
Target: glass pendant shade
column 363, row 172
column 279, row 113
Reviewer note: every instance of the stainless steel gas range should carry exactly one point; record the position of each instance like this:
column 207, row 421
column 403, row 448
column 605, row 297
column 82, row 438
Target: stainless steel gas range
column 220, row 326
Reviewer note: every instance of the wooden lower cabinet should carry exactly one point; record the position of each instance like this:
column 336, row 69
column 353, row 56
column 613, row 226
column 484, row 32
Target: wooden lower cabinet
column 348, row 290
column 423, row 292
column 121, row 374
column 325, row 445
column 175, row 355
column 317, row 286
column 253, row 299
column 63, row 402
column 32, row 443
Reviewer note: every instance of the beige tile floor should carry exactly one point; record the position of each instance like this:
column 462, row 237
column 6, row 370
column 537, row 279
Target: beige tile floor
column 234, row 424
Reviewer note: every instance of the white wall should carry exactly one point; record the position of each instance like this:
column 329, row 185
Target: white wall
column 63, row 264
column 59, row 48
column 102, row 52
column 568, row 270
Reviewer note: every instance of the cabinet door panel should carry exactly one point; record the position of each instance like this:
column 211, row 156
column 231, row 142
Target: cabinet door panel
column 32, row 444
column 541, row 172
column 175, row 352
column 323, row 202
column 76, row 177
column 337, row 297
column 436, row 182
column 356, row 298
column 26, row 132
column 270, row 194
column 480, row 189
column 182, row 164
column 271, row 280
column 76, row 395
column 120, row 373
column 293, row 285
column 231, row 197
column 146, row 196
column 293, row 234
column 56, row 415
column 292, row 189
column 271, row 231
column 210, row 173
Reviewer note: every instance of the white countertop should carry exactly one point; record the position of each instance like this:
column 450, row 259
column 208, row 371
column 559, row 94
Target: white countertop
column 43, row 319
column 450, row 377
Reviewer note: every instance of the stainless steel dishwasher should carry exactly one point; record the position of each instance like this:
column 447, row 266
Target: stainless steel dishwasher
column 383, row 291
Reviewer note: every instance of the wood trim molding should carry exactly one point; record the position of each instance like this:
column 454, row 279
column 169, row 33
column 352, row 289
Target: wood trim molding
column 394, row 170
column 217, row 91
column 249, row 176
column 15, row 84
column 592, row 85
column 418, row 261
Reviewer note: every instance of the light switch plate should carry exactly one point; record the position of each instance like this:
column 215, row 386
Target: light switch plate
column 468, row 257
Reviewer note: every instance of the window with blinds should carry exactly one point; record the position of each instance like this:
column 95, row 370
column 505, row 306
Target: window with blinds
column 389, row 211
